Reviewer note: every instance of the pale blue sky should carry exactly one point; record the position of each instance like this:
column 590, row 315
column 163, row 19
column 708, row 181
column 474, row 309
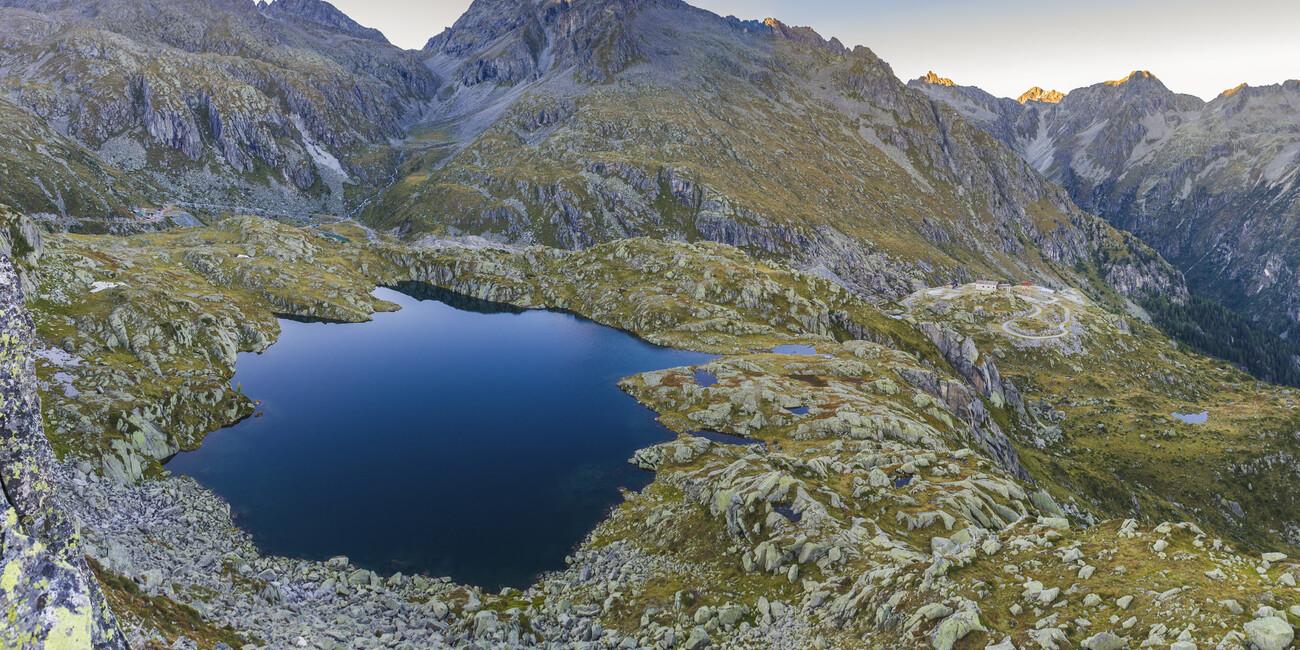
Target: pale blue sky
column 1194, row 46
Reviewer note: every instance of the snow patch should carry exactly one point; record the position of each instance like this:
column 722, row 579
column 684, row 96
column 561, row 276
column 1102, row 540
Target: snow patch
column 1040, row 151
column 100, row 285
column 1282, row 164
column 322, row 157
column 896, row 155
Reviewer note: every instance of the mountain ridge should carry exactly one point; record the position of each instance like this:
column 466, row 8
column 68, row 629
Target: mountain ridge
column 531, row 141
column 1211, row 185
column 1037, row 94
column 937, row 462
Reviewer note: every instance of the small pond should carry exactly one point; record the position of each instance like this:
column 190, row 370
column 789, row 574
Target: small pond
column 453, row 437
column 1193, row 418
column 704, row 378
column 788, row 512
column 796, row 348
column 726, row 438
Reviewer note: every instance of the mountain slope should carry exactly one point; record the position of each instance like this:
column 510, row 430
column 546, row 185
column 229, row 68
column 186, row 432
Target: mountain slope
column 1211, row 185
column 575, row 123
column 46, row 171
column 216, row 102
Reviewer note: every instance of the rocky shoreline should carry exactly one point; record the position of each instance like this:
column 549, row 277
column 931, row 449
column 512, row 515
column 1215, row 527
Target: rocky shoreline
column 177, row 539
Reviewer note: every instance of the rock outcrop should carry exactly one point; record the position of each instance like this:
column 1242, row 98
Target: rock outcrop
column 903, row 489
column 1034, row 94
column 48, row 596
column 320, row 15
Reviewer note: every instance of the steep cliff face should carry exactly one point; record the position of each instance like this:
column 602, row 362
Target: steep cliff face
column 1212, row 186
column 48, row 597
column 567, row 123
column 210, row 99
column 573, row 123
column 1037, row 94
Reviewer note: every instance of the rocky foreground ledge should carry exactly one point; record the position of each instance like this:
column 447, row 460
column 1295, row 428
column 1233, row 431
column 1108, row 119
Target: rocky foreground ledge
column 48, row 596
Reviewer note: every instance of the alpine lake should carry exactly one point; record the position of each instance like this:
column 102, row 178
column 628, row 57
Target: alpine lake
column 453, row 437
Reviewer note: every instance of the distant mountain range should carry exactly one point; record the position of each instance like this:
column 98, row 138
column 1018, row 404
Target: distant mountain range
column 1211, row 185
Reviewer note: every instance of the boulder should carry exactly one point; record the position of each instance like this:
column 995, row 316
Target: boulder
column 1105, row 641
column 955, row 627
column 1269, row 633
column 698, row 639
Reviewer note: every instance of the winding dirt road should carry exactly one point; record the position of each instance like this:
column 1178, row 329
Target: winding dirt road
column 1038, row 309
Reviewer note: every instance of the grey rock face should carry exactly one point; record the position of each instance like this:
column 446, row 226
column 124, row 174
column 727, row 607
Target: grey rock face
column 49, row 597
column 1269, row 633
column 221, row 95
column 321, row 15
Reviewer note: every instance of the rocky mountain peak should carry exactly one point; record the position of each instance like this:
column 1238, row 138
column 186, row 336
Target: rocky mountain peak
column 932, row 78
column 1234, row 90
column 1139, row 81
column 1140, row 91
column 508, row 42
column 320, row 15
column 1196, row 180
column 1037, row 94
column 1138, row 76
column 1258, row 110
column 805, row 35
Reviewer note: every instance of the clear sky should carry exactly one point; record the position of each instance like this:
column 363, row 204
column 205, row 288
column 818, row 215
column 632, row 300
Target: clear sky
column 1006, row 46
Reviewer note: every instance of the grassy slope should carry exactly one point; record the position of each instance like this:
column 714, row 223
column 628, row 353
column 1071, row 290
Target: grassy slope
column 1114, row 384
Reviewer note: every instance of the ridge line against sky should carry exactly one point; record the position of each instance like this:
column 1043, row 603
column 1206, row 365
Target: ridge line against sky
column 1002, row 46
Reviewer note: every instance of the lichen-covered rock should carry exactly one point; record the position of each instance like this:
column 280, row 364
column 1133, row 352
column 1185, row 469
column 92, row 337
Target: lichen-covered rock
column 1269, row 633
column 48, row 598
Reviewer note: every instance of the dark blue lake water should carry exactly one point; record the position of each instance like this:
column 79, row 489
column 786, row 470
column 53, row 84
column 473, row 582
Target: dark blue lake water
column 477, row 445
